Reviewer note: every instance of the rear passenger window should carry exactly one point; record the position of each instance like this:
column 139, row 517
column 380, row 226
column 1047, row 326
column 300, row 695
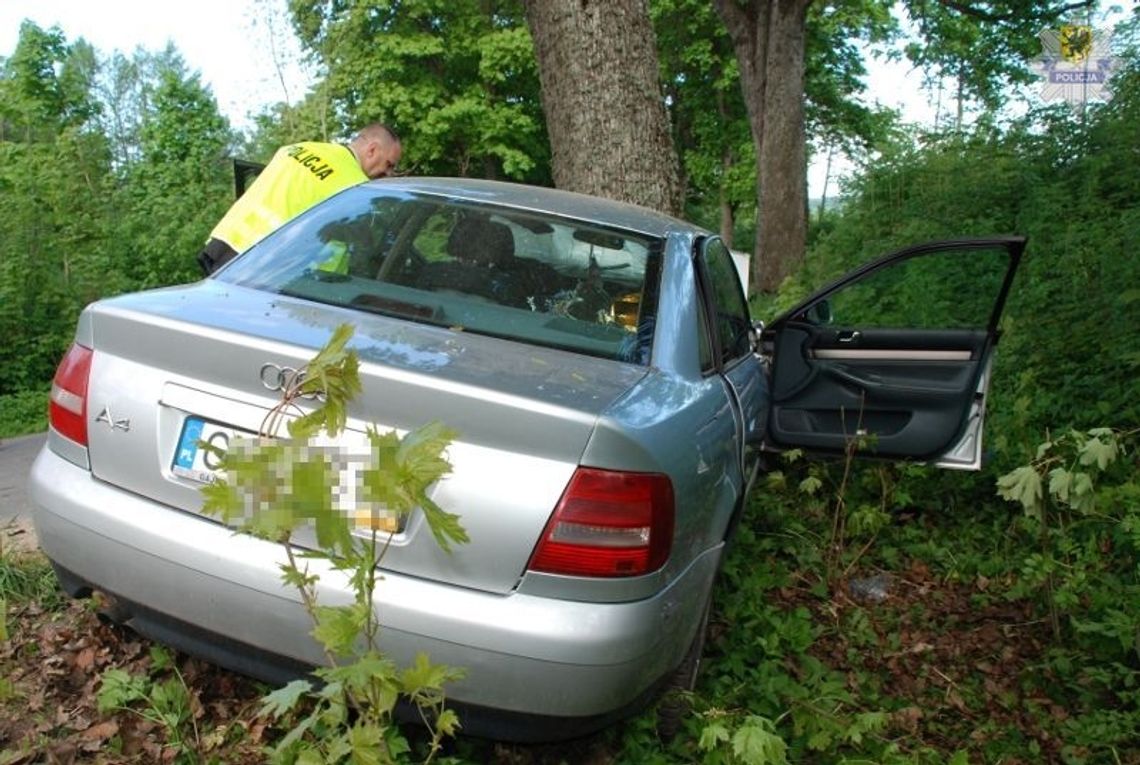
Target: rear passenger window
column 732, row 322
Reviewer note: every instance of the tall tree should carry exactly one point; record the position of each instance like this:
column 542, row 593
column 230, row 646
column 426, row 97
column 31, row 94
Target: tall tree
column 53, row 191
column 770, row 39
column 605, row 112
column 182, row 179
column 119, row 88
column 46, row 85
column 981, row 47
column 457, row 80
column 710, row 126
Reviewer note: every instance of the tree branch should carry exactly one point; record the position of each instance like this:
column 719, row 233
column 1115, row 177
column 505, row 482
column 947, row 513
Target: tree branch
column 1048, row 15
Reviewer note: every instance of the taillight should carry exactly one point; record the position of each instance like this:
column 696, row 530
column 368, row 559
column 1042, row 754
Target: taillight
column 68, row 410
column 608, row 523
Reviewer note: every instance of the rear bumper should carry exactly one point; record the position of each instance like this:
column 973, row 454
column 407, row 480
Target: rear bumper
column 523, row 655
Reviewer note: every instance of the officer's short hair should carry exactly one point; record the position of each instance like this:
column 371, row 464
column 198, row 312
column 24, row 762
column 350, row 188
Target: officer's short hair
column 377, row 131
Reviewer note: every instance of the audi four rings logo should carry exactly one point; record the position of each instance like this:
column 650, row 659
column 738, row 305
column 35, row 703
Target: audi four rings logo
column 278, row 378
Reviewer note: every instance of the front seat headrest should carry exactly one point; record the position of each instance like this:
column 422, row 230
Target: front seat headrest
column 482, row 242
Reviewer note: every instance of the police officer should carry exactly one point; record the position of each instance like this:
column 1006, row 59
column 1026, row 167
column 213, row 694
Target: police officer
column 299, row 176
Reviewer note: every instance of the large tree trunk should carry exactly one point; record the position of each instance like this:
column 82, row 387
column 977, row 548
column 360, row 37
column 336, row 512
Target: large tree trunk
column 727, row 209
column 769, row 38
column 609, row 131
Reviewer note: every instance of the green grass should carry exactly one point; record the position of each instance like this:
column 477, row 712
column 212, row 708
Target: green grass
column 28, row 577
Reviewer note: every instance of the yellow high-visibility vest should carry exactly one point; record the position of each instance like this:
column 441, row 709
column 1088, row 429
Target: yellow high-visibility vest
column 298, row 176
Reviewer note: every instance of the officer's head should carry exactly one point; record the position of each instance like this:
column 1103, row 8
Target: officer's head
column 377, row 149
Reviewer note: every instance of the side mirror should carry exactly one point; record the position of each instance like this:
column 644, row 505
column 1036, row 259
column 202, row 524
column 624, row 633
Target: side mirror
column 819, row 313
column 757, row 335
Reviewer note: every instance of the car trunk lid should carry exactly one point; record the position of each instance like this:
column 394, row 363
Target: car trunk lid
column 523, row 414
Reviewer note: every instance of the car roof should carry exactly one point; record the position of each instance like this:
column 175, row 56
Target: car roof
column 540, row 199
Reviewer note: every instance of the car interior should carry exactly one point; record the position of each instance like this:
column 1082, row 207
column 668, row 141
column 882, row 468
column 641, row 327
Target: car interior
column 497, row 271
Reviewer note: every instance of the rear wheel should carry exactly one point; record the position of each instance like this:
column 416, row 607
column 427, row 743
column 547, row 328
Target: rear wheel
column 675, row 706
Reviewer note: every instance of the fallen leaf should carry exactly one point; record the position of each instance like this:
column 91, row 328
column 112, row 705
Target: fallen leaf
column 100, row 731
column 62, row 753
column 908, row 718
column 956, row 701
column 85, row 659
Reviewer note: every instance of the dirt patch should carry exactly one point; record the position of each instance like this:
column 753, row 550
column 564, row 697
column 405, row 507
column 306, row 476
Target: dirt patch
column 958, row 666
column 18, row 536
column 50, row 673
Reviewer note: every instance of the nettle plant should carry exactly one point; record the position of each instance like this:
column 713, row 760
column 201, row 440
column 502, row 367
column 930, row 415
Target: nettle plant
column 1081, row 499
column 350, row 500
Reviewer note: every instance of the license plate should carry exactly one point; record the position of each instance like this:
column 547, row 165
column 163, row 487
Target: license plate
column 190, row 459
column 196, row 463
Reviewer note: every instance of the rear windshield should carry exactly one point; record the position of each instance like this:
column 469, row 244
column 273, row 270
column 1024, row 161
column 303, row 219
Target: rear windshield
column 525, row 276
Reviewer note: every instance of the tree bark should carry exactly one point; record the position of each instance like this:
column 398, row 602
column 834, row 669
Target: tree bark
column 727, row 209
column 769, row 38
column 605, row 113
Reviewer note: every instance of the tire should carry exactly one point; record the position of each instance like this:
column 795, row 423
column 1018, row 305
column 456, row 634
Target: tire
column 675, row 704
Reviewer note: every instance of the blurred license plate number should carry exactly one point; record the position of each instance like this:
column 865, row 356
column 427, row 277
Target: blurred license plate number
column 197, row 464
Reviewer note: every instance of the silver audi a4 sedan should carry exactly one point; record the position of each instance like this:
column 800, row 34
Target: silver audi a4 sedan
column 611, row 394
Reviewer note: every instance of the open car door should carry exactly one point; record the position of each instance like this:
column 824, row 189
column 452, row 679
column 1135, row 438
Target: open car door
column 893, row 359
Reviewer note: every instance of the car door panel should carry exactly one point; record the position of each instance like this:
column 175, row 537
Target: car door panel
column 891, row 391
column 905, row 392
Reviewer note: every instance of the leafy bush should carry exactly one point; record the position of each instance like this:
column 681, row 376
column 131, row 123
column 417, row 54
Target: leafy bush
column 1081, row 525
column 24, row 412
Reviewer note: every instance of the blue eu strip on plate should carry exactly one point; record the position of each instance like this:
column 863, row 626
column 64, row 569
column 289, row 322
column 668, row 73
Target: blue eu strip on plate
column 188, row 444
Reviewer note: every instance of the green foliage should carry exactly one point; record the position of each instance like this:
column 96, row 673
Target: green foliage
column 97, row 162
column 710, row 127
column 333, row 372
column 753, row 742
column 458, row 81
column 322, row 729
column 46, row 86
column 24, row 412
column 701, row 78
column 1081, row 503
column 53, row 208
column 161, row 697
column 982, row 50
column 838, row 34
column 1073, row 515
column 183, row 147
column 273, row 488
column 25, row 578
column 28, row 578
column 1065, row 364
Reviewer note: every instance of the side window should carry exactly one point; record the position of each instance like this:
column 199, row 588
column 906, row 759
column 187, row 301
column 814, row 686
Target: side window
column 704, row 344
column 732, row 322
column 950, row 289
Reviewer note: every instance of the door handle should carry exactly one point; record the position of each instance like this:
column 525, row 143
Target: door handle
column 850, row 336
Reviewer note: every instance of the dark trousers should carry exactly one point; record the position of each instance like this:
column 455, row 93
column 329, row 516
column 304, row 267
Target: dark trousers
column 214, row 255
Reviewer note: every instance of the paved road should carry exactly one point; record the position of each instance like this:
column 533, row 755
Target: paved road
column 16, row 457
